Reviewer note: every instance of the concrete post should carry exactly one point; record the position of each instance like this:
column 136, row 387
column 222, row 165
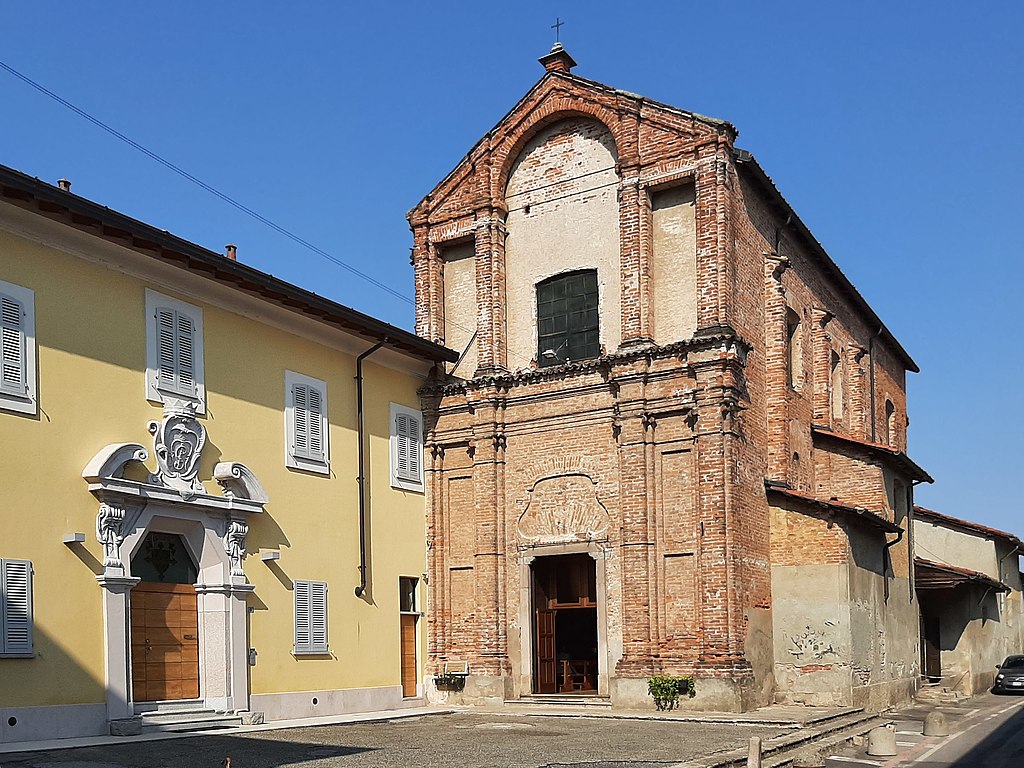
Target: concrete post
column 754, row 754
column 935, row 724
column 882, row 741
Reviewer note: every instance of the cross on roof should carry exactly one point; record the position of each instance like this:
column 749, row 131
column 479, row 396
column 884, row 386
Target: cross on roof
column 557, row 26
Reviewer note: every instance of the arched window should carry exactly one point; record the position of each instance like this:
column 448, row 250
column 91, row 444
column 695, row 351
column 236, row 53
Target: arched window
column 890, row 423
column 794, row 349
column 567, row 318
column 836, row 380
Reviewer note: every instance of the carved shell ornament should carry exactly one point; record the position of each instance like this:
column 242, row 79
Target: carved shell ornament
column 563, row 508
column 178, row 442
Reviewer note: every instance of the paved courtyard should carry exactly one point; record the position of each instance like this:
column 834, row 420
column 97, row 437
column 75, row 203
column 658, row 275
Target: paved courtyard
column 462, row 740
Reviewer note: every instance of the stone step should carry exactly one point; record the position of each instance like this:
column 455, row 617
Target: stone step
column 563, row 700
column 187, row 721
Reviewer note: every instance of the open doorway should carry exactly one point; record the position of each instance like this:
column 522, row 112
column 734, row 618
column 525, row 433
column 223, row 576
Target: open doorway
column 565, row 625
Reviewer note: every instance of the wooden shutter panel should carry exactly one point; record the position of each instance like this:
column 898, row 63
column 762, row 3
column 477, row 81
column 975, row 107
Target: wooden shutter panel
column 409, row 451
column 12, row 344
column 318, row 616
column 16, row 579
column 165, row 346
column 300, row 417
column 302, row 635
column 185, row 337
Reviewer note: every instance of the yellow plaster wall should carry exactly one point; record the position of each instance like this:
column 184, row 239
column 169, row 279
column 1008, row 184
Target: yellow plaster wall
column 91, row 340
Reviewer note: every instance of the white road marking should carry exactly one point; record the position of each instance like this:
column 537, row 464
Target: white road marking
column 857, row 760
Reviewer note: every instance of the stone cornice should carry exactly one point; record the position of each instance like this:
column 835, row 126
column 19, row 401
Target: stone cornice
column 147, row 492
column 721, row 339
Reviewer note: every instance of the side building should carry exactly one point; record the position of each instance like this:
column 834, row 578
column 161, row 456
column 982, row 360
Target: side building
column 184, row 443
column 675, row 439
column 972, row 613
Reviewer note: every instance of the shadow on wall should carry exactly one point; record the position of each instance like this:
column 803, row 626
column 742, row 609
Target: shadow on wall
column 34, row 693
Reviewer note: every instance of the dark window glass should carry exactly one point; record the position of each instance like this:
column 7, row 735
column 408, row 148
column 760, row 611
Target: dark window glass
column 407, row 594
column 164, row 558
column 567, row 318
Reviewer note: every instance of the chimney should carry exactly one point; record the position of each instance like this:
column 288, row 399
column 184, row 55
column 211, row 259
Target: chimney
column 231, row 251
column 558, row 60
column 64, row 184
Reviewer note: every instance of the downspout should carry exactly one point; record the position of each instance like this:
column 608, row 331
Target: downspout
column 871, row 382
column 361, row 451
column 887, row 560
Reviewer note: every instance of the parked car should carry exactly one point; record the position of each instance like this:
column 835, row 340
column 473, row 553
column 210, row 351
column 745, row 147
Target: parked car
column 1010, row 676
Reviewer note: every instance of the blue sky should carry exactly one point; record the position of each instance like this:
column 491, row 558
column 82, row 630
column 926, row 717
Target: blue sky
column 894, row 129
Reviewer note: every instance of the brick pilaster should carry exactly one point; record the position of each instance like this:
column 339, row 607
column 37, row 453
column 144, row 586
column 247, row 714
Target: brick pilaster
column 821, row 351
column 776, row 365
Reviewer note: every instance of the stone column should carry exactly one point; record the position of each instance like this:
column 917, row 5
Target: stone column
column 116, row 642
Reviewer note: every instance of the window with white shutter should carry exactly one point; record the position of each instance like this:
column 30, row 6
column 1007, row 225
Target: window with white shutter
column 174, row 345
column 310, row 617
column 406, row 448
column 15, row 608
column 17, row 349
column 305, row 416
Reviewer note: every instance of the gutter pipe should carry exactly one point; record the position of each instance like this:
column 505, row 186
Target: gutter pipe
column 362, row 462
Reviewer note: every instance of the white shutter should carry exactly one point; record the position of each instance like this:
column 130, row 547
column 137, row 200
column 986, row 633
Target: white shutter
column 302, row 636
column 165, row 349
column 16, row 579
column 318, row 616
column 409, row 448
column 300, row 413
column 12, row 343
column 185, row 338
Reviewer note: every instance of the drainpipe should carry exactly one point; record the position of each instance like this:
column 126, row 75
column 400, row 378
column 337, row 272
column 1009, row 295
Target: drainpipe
column 871, row 369
column 887, row 560
column 361, row 451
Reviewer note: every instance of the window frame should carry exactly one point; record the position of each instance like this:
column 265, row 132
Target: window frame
column 562, row 349
column 25, row 652
column 397, row 481
column 27, row 403
column 303, row 590
column 154, row 391
column 292, row 458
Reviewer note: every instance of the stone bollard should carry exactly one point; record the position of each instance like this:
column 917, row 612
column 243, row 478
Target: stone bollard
column 882, row 741
column 935, row 724
column 754, row 754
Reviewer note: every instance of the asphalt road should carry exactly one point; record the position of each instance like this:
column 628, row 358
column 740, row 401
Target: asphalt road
column 993, row 737
column 460, row 740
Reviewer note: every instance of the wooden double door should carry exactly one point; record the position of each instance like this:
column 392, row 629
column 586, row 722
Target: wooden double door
column 165, row 642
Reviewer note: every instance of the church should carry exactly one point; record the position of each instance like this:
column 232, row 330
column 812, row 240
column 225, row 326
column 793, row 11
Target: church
column 674, row 441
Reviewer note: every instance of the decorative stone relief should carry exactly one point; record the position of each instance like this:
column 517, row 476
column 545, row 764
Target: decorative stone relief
column 178, row 442
column 238, row 481
column 235, row 533
column 563, row 508
column 114, row 519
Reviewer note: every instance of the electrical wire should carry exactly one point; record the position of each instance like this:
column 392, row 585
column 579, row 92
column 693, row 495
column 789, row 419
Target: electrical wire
column 272, row 224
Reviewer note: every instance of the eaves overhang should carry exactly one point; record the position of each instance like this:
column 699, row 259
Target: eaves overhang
column 745, row 161
column 929, row 575
column 897, row 460
column 87, row 216
column 848, row 511
column 930, row 515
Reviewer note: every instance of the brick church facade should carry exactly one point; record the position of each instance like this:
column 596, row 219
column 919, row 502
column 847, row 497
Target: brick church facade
column 675, row 441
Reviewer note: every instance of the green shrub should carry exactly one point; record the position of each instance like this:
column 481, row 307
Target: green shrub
column 667, row 689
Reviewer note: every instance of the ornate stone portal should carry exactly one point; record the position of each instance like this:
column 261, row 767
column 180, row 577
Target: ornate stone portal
column 172, row 499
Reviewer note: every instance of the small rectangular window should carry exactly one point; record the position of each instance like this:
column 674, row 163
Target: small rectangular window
column 310, row 617
column 15, row 608
column 406, row 448
column 174, row 351
column 568, row 326
column 17, row 349
column 306, row 423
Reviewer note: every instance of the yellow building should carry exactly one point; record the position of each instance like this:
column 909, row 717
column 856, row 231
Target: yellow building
column 182, row 447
